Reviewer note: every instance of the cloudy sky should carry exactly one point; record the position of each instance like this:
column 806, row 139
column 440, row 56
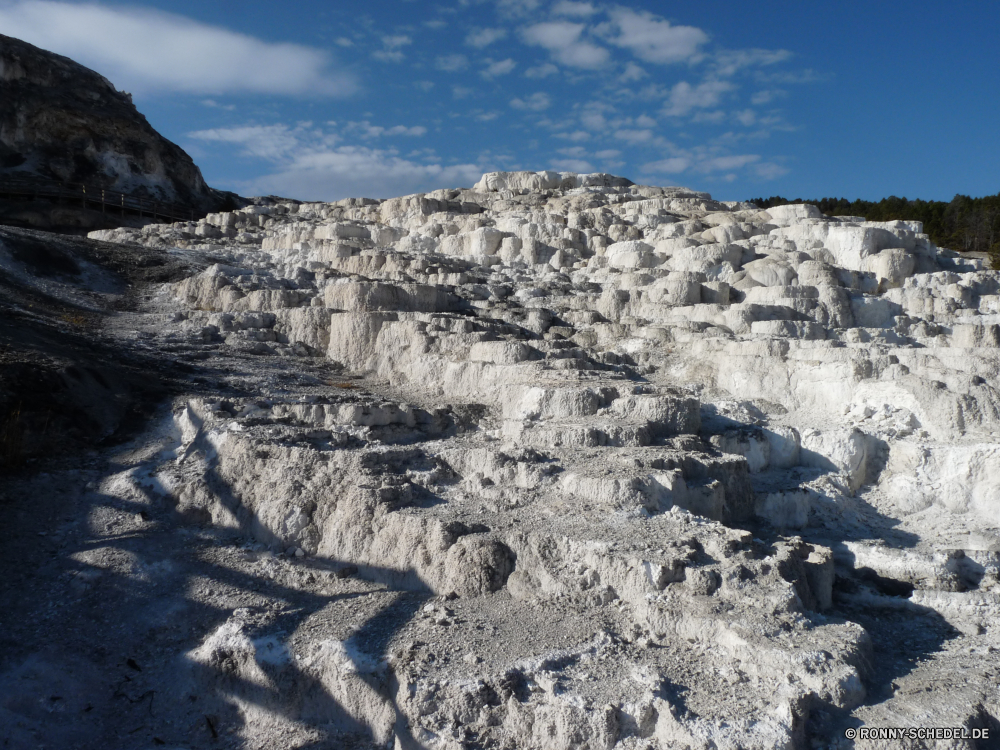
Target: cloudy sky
column 321, row 100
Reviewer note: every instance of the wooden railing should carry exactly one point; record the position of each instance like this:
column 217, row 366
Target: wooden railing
column 96, row 198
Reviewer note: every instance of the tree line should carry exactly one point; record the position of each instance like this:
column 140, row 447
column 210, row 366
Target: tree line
column 964, row 224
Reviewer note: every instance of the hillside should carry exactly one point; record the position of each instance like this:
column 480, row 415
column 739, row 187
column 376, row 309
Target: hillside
column 62, row 123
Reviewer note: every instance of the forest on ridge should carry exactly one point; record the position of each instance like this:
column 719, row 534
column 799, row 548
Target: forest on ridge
column 964, row 224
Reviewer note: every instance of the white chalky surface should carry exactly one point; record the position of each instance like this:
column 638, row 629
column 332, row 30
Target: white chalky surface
column 555, row 462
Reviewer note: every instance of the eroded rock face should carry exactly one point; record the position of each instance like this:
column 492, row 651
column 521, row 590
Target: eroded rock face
column 660, row 471
column 64, row 122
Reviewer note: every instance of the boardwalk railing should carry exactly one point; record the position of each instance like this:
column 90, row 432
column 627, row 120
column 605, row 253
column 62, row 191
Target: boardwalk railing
column 96, row 198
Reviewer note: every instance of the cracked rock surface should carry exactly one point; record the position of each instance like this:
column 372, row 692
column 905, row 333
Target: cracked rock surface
column 558, row 461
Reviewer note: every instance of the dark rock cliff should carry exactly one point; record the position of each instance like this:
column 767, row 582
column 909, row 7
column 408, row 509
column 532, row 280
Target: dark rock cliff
column 60, row 121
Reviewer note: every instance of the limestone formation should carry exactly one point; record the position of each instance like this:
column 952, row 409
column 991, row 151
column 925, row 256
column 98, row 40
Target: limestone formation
column 660, row 471
column 659, row 371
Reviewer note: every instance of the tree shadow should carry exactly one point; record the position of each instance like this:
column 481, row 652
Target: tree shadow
column 128, row 604
column 903, row 634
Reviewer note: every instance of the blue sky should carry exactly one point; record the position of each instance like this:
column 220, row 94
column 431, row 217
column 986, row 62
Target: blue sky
column 321, row 100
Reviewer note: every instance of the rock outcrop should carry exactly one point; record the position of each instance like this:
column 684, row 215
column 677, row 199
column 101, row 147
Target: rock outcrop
column 565, row 462
column 61, row 122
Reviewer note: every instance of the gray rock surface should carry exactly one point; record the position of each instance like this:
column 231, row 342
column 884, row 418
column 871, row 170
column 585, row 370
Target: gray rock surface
column 555, row 462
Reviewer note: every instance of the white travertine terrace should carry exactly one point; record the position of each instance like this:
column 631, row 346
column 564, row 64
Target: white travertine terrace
column 703, row 435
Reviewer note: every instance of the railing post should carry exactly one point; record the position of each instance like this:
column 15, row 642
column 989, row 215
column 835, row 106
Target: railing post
column 54, row 191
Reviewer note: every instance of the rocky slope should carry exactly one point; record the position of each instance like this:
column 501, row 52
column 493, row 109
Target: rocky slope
column 555, row 462
column 60, row 121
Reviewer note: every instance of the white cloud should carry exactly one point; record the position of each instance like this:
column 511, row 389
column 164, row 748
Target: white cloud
column 576, row 136
column 763, row 129
column 461, row 92
column 366, row 130
column 768, row 95
column 592, row 117
column 645, row 122
column 632, row 73
column 703, row 161
column 541, row 71
column 424, row 86
column 451, row 63
column 145, row 50
column 215, row 105
column 487, row 116
column 355, row 171
column 554, row 34
column 413, row 131
column 609, row 153
column 802, row 76
column 517, row 8
column 725, row 163
column 272, row 142
column 499, row 68
column 684, row 97
column 485, row 37
column 729, row 62
column 634, row 136
column 311, row 166
column 575, row 151
column 673, row 165
column 746, row 117
column 653, row 91
column 343, row 41
column 714, row 116
column 396, row 41
column 563, row 40
column 769, row 170
column 774, row 122
column 569, row 8
column 391, row 48
column 536, row 102
column 654, row 39
column 573, row 165
column 436, row 24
